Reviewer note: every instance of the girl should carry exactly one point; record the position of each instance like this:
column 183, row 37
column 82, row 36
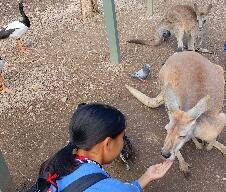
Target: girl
column 96, row 138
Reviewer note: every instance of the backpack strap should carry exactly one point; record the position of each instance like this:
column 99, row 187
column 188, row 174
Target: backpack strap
column 84, row 182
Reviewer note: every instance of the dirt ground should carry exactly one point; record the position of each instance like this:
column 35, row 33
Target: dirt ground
column 68, row 63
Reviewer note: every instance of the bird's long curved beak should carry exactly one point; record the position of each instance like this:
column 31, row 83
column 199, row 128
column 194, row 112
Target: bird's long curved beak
column 25, row 4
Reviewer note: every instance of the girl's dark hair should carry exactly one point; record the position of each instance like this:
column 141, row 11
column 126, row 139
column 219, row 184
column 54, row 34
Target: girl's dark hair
column 90, row 124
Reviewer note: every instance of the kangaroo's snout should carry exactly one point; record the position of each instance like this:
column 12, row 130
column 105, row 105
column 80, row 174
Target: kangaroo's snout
column 166, row 155
column 166, row 34
column 200, row 27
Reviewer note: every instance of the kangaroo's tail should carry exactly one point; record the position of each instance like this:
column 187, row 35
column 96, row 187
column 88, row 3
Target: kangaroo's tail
column 141, row 42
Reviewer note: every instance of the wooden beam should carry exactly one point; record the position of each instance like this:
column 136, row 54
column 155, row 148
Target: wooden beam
column 112, row 32
column 6, row 184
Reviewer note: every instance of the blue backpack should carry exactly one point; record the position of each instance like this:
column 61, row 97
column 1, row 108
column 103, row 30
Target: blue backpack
column 79, row 185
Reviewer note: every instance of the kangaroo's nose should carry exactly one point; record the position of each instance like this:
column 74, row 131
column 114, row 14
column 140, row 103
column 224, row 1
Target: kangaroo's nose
column 166, row 155
column 166, row 34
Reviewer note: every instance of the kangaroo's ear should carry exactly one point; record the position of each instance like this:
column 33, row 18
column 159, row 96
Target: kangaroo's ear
column 171, row 123
column 201, row 107
column 171, row 99
column 196, row 8
column 208, row 9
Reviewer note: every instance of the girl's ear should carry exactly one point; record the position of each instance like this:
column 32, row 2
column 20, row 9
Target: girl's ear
column 107, row 144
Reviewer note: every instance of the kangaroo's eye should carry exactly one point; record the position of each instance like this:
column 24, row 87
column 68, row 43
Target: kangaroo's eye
column 204, row 21
column 182, row 136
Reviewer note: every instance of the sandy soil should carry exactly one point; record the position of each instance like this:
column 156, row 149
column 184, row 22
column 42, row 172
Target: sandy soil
column 68, row 63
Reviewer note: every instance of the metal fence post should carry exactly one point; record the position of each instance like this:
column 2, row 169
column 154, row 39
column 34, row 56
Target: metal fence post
column 6, row 183
column 112, row 32
column 149, row 6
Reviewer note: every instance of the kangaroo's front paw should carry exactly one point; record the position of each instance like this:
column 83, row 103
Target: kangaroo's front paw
column 191, row 49
column 209, row 147
column 185, row 47
column 199, row 146
column 223, row 151
column 184, row 167
column 179, row 49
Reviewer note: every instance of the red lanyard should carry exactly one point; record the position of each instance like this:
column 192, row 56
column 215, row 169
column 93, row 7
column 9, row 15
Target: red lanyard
column 81, row 158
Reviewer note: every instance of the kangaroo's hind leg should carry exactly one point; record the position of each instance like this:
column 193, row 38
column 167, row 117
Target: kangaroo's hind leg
column 217, row 145
column 191, row 42
column 180, row 35
column 198, row 38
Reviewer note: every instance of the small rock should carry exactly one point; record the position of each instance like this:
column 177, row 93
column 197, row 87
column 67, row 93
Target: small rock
column 30, row 108
column 64, row 99
column 224, row 179
column 35, row 87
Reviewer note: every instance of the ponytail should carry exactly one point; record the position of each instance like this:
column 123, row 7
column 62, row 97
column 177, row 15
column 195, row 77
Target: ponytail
column 60, row 164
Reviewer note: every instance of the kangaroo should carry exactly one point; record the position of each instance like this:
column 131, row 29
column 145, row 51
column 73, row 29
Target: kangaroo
column 178, row 21
column 193, row 92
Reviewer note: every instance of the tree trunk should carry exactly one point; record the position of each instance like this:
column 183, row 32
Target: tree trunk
column 89, row 8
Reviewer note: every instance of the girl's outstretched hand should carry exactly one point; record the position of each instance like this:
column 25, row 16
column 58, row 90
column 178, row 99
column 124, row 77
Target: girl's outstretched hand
column 159, row 170
column 154, row 172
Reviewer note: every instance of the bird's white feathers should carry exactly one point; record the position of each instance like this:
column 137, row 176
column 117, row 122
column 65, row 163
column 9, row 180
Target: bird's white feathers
column 19, row 27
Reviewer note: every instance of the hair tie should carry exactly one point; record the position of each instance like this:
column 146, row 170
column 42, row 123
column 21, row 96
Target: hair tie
column 52, row 179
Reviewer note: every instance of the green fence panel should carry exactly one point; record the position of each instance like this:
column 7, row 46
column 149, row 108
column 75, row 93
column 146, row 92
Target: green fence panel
column 112, row 32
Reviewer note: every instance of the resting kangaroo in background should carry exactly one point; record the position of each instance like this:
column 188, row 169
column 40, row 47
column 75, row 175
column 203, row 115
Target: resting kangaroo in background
column 193, row 92
column 178, row 21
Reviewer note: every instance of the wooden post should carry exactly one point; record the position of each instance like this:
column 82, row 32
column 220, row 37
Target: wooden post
column 112, row 32
column 89, row 8
column 149, row 6
column 6, row 184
